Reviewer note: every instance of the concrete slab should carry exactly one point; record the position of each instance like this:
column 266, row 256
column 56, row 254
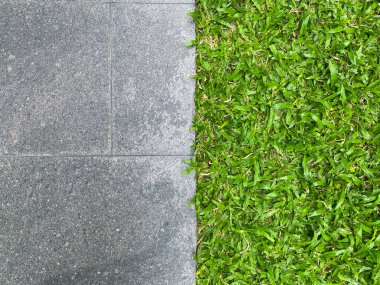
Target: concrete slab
column 154, row 1
column 108, row 1
column 96, row 221
column 60, row 1
column 54, row 78
column 151, row 79
column 75, row 208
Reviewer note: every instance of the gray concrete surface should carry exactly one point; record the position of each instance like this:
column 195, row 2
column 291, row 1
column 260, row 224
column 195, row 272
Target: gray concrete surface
column 54, row 95
column 96, row 103
column 154, row 118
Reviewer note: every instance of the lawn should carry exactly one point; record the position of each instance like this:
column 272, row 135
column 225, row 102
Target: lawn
column 287, row 142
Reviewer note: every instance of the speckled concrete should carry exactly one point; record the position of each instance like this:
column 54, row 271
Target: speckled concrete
column 54, row 95
column 152, row 87
column 109, row 1
column 96, row 103
column 95, row 221
column 152, row 1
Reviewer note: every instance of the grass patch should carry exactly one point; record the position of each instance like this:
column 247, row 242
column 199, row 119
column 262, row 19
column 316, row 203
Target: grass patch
column 287, row 142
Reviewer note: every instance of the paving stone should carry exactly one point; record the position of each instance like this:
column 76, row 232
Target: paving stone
column 61, row 1
column 151, row 79
column 154, row 1
column 109, row 1
column 54, row 78
column 96, row 221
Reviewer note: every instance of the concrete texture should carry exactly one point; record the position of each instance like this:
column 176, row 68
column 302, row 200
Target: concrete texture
column 151, row 86
column 96, row 102
column 96, row 221
column 153, row 1
column 106, row 1
column 54, row 95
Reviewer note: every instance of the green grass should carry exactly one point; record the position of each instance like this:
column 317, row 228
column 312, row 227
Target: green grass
column 287, row 142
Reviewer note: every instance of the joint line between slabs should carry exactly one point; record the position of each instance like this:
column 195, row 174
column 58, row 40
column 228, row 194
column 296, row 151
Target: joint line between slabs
column 111, row 119
column 96, row 156
column 152, row 3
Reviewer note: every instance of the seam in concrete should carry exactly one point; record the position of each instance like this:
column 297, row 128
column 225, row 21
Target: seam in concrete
column 110, row 80
column 95, row 156
column 152, row 3
column 95, row 3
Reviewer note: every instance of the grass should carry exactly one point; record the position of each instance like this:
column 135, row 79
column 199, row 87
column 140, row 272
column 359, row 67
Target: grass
column 287, row 142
